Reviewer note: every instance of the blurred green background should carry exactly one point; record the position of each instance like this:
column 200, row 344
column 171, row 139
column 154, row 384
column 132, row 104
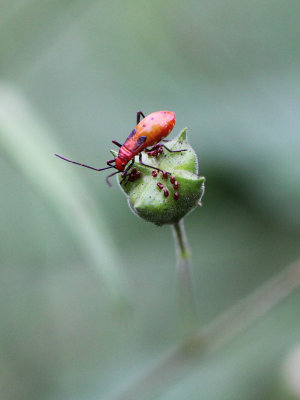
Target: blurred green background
column 88, row 291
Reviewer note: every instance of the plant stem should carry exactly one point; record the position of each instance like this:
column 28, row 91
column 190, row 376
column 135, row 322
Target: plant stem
column 184, row 273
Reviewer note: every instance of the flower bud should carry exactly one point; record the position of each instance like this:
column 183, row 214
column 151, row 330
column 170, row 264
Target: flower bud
column 176, row 189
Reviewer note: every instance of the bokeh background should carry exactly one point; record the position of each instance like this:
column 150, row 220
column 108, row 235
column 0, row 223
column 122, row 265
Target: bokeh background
column 88, row 291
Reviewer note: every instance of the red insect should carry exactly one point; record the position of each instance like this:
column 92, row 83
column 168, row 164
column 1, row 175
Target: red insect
column 148, row 132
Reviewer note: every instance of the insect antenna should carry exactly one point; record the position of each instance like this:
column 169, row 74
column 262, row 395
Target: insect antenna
column 83, row 165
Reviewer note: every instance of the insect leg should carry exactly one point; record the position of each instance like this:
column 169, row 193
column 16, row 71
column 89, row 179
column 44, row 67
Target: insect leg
column 124, row 174
column 109, row 176
column 155, row 147
column 147, row 165
column 138, row 116
column 110, row 161
column 128, row 168
column 172, row 151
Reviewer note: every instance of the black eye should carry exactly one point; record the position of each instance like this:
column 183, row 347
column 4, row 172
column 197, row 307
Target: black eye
column 123, row 164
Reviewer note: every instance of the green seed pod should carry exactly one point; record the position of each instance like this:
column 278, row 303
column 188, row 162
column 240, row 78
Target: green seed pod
column 165, row 198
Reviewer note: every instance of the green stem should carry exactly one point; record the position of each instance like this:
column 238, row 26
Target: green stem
column 186, row 295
